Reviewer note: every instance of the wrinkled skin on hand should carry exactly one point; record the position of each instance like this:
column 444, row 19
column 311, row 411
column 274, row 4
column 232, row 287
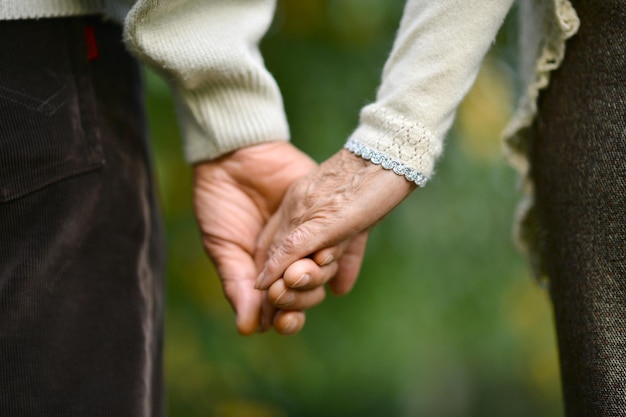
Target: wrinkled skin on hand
column 325, row 213
column 234, row 197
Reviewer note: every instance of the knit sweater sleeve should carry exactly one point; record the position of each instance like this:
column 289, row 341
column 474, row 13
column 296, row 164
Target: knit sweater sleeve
column 434, row 61
column 208, row 50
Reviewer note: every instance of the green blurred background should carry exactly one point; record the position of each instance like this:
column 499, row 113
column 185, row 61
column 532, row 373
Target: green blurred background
column 445, row 319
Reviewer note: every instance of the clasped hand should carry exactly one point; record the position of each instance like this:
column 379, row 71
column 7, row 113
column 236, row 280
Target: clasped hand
column 269, row 208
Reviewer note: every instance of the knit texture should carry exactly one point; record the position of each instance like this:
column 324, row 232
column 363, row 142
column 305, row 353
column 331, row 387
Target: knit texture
column 207, row 50
column 435, row 59
column 226, row 99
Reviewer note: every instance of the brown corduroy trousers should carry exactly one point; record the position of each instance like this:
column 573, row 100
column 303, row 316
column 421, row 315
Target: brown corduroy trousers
column 81, row 286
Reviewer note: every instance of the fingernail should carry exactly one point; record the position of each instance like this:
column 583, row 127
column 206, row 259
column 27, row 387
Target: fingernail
column 328, row 260
column 302, row 281
column 285, row 301
column 290, row 326
column 258, row 284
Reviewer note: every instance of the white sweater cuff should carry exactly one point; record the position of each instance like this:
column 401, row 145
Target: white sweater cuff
column 220, row 119
column 407, row 147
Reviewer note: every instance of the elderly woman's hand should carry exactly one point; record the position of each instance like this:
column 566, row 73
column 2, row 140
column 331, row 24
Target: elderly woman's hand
column 325, row 216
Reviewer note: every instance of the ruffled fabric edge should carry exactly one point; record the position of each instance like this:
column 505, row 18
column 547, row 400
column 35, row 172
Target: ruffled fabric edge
column 528, row 235
column 386, row 162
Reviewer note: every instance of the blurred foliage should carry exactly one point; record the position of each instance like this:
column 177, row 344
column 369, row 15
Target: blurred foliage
column 445, row 320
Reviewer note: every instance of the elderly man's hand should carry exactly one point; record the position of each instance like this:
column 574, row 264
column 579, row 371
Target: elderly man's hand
column 234, row 196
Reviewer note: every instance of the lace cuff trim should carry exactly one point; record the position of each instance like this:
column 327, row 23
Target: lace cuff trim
column 386, row 162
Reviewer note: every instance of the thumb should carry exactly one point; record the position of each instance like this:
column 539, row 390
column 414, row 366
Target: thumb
column 246, row 302
column 237, row 272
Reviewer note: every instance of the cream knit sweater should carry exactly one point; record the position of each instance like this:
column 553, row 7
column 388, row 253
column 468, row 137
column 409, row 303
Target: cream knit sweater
column 226, row 99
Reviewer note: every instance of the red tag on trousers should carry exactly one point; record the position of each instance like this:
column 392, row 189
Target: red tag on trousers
column 90, row 41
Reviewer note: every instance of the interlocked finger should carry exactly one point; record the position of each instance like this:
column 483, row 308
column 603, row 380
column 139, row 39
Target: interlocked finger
column 305, row 274
column 329, row 255
column 288, row 321
column 267, row 314
column 284, row 297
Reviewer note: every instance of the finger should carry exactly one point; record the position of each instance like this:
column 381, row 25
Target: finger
column 349, row 265
column 329, row 255
column 264, row 240
column 289, row 322
column 236, row 270
column 285, row 298
column 270, row 233
column 297, row 244
column 266, row 314
column 305, row 274
column 313, row 215
column 246, row 305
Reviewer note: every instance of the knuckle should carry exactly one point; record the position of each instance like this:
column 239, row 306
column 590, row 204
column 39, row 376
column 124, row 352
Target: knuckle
column 274, row 264
column 295, row 239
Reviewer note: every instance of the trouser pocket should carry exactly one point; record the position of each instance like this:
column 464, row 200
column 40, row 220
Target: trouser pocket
column 47, row 129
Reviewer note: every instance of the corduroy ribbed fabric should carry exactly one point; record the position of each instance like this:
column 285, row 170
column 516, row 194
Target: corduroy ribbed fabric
column 578, row 163
column 81, row 286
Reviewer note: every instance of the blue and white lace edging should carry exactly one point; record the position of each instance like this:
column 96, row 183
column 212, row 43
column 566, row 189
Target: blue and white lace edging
column 386, row 162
